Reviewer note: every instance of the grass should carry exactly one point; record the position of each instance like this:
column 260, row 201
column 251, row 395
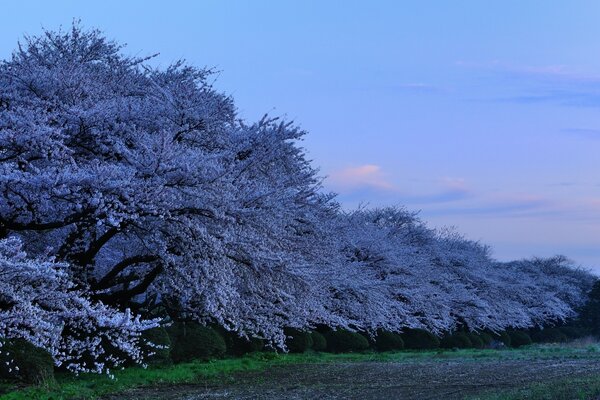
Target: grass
column 212, row 372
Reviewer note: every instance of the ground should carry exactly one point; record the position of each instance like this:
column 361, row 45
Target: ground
column 536, row 372
column 380, row 380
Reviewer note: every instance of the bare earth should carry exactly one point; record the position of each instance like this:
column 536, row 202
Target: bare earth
column 377, row 380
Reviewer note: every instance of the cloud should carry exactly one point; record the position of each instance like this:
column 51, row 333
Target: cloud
column 369, row 175
column 501, row 205
column 558, row 84
column 370, row 183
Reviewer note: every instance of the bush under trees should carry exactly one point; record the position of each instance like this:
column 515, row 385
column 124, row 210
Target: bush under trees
column 344, row 341
column 388, row 341
column 192, row 341
column 419, row 339
column 549, row 335
column 157, row 346
column 22, row 361
column 476, row 340
column 319, row 341
column 519, row 338
column 298, row 341
column 459, row 340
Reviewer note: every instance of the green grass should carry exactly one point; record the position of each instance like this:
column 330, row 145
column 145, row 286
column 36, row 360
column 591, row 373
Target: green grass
column 94, row 386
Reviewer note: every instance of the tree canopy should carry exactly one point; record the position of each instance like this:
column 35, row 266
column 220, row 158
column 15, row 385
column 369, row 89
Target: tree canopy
column 138, row 192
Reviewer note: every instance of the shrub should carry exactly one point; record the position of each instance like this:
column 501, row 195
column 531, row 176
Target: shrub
column 298, row 341
column 486, row 338
column 343, row 341
column 237, row 345
column 476, row 340
column 574, row 332
column 419, row 339
column 22, row 361
column 458, row 340
column 388, row 341
column 519, row 338
column 158, row 337
column 192, row 341
column 549, row 335
column 503, row 337
column 319, row 341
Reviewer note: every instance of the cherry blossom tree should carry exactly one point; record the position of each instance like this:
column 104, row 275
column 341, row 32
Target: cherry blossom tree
column 138, row 188
column 39, row 303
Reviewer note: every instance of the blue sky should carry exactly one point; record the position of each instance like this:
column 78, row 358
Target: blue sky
column 483, row 115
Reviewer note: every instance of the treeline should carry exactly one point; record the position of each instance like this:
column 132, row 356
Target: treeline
column 132, row 195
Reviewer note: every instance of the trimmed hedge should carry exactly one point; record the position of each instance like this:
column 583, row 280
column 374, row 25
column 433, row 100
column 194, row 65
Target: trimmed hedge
column 503, row 337
column 459, row 340
column 158, row 337
column 319, row 341
column 22, row 361
column 419, row 339
column 298, row 341
column 549, row 335
column 192, row 341
column 344, row 341
column 519, row 338
column 574, row 332
column 237, row 345
column 476, row 340
column 388, row 341
column 486, row 338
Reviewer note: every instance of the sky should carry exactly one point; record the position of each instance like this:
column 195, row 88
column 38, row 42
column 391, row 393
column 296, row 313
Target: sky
column 481, row 115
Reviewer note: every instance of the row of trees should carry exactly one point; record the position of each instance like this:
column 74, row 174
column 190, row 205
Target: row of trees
column 138, row 195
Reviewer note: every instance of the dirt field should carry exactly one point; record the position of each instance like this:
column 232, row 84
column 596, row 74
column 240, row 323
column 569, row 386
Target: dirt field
column 380, row 380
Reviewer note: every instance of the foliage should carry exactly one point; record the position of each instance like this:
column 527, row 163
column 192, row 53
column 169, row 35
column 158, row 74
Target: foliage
column 298, row 341
column 41, row 304
column 548, row 335
column 20, row 360
column 344, row 341
column 502, row 337
column 134, row 187
column 476, row 340
column 459, row 340
column 157, row 346
column 419, row 339
column 192, row 341
column 486, row 338
column 319, row 341
column 589, row 315
column 575, row 332
column 388, row 341
column 519, row 338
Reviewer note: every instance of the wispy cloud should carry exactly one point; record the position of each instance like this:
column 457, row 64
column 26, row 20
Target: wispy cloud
column 369, row 175
column 559, row 84
column 367, row 182
column 501, row 205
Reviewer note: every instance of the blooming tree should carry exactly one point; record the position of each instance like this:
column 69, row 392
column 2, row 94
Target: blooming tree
column 39, row 303
column 147, row 193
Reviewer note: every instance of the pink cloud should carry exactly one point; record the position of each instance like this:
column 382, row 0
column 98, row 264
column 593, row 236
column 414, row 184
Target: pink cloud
column 368, row 175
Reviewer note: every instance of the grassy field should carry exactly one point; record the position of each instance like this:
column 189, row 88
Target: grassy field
column 254, row 371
